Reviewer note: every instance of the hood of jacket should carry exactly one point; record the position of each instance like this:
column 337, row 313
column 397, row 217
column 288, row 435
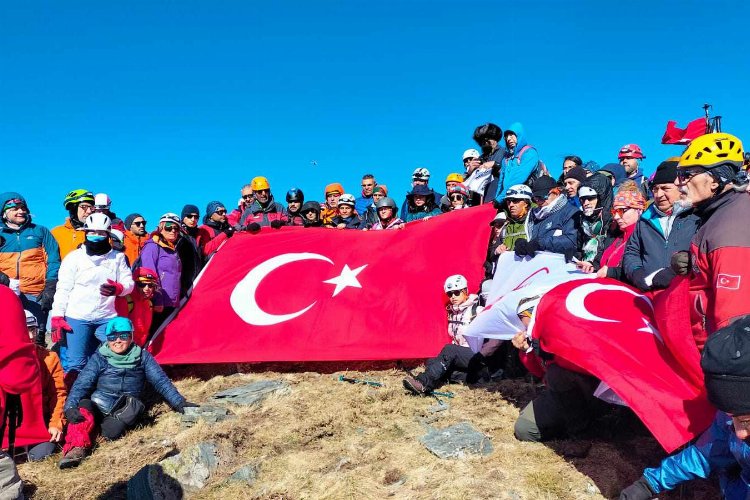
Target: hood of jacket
column 518, row 130
column 12, row 195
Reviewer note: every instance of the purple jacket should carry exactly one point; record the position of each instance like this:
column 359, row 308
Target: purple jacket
column 167, row 265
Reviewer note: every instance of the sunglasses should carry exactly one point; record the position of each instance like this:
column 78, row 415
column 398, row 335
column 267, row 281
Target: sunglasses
column 120, row 335
column 456, row 197
column 586, row 198
column 540, row 199
column 454, row 293
column 620, row 211
column 191, row 216
column 221, row 212
column 248, row 196
column 171, row 228
column 262, row 191
column 685, row 174
column 144, row 285
column 141, row 223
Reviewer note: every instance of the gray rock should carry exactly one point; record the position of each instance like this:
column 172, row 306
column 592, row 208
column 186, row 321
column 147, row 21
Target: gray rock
column 438, row 407
column 246, row 475
column 457, row 441
column 207, row 413
column 151, row 483
column 251, row 394
column 193, row 467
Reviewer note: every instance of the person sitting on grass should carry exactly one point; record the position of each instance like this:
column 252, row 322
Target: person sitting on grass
column 108, row 391
column 456, row 356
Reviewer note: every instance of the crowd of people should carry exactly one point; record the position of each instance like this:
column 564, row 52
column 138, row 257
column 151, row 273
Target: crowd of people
column 99, row 286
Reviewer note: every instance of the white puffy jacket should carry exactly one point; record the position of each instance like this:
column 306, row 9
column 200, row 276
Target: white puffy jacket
column 78, row 283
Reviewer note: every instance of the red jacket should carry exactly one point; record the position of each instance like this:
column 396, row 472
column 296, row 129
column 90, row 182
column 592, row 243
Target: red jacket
column 720, row 257
column 211, row 239
column 19, row 368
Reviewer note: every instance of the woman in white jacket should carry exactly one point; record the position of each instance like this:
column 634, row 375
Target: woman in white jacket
column 90, row 278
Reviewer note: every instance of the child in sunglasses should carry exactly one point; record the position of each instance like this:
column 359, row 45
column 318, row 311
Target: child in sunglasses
column 108, row 392
column 141, row 304
column 462, row 308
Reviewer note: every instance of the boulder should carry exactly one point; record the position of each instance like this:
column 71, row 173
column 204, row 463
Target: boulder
column 245, row 475
column 207, row 413
column 457, row 441
column 193, row 467
column 251, row 394
column 151, row 483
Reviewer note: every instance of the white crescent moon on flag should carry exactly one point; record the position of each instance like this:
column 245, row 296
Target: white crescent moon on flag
column 243, row 299
column 575, row 300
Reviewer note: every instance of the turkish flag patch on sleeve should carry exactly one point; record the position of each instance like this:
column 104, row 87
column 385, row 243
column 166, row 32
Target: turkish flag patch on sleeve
column 729, row 281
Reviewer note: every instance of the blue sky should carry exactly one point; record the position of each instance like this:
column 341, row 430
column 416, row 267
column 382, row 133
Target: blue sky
column 165, row 103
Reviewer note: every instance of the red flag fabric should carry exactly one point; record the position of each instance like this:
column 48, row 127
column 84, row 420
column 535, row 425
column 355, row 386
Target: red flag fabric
column 674, row 135
column 608, row 329
column 319, row 294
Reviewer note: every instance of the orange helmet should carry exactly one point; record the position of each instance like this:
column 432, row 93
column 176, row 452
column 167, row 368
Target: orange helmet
column 335, row 187
column 259, row 184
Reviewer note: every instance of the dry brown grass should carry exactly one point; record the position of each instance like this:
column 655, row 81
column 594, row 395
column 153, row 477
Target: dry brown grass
column 330, row 440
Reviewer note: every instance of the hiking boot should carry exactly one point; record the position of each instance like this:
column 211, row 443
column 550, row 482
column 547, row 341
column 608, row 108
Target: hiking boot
column 72, row 458
column 414, row 386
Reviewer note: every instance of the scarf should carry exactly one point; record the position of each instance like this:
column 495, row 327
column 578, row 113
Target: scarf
column 127, row 360
column 541, row 213
column 97, row 247
column 612, row 256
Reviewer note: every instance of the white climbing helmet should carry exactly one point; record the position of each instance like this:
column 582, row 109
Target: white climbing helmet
column 455, row 282
column 97, row 222
column 471, row 153
column 346, row 199
column 421, row 174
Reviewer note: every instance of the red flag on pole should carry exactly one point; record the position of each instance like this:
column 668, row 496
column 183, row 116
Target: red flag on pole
column 296, row 294
column 674, row 135
column 609, row 330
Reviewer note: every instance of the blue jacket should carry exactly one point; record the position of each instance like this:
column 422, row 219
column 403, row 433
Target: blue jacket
column 351, row 222
column 558, row 232
column 717, row 450
column 361, row 204
column 648, row 250
column 108, row 383
column 405, row 204
column 516, row 170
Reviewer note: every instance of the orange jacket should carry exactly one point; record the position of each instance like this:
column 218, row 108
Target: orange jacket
column 54, row 392
column 133, row 245
column 68, row 238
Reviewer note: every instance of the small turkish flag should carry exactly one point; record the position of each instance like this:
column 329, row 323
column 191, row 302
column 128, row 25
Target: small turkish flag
column 608, row 329
column 319, row 294
column 729, row 281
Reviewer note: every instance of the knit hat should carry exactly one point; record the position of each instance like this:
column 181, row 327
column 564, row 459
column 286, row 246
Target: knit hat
column 577, row 173
column 629, row 199
column 666, row 172
column 726, row 367
column 213, row 206
column 187, row 210
column 129, row 220
column 118, row 324
column 542, row 185
column 380, row 188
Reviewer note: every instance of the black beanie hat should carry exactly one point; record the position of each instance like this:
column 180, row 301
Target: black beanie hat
column 726, row 367
column 129, row 220
column 187, row 210
column 542, row 185
column 666, row 172
column 577, row 173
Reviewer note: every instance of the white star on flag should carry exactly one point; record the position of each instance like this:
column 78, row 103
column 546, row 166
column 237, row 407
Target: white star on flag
column 348, row 277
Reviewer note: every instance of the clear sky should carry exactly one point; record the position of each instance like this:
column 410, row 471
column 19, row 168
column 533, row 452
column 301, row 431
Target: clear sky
column 162, row 103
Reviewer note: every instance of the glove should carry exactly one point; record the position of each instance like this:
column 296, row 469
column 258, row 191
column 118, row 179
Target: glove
column 48, row 295
column 639, row 279
column 532, row 247
column 4, row 279
column 185, row 404
column 680, row 263
column 520, row 247
column 111, row 288
column 59, row 326
column 253, row 227
column 74, row 415
column 276, row 224
column 663, row 278
column 229, row 231
column 639, row 490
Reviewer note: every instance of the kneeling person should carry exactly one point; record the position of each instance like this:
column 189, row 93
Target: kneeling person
column 108, row 391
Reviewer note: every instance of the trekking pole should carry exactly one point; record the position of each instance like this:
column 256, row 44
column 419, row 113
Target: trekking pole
column 371, row 383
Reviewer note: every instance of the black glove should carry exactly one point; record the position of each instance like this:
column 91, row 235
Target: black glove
column 639, row 490
column 680, row 263
column 253, row 227
column 4, row 279
column 229, row 231
column 532, row 247
column 74, row 415
column 276, row 224
column 639, row 279
column 48, row 295
column 185, row 404
column 663, row 278
column 520, row 247
column 107, row 290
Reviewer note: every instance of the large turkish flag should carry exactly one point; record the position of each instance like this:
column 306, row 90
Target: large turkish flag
column 319, row 294
column 609, row 330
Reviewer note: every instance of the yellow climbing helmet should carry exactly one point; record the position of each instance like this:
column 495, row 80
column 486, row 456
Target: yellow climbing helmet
column 711, row 150
column 259, row 184
column 454, row 178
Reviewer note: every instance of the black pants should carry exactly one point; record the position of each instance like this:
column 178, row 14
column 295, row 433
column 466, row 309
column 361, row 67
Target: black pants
column 111, row 427
column 452, row 358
